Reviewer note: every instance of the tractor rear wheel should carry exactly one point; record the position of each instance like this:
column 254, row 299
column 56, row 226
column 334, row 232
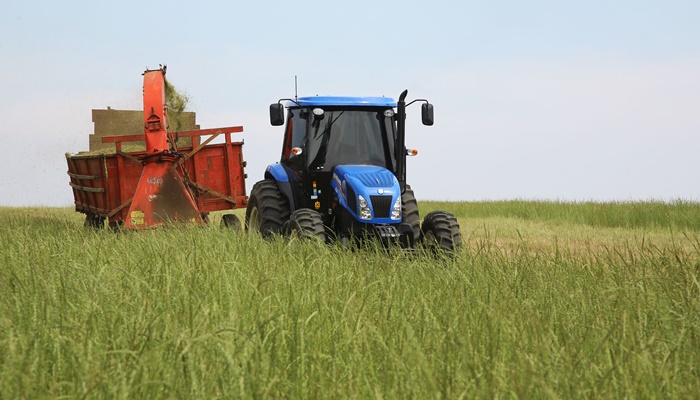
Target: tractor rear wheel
column 307, row 223
column 267, row 209
column 441, row 232
column 409, row 209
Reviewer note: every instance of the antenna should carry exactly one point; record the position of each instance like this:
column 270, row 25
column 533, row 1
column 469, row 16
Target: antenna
column 296, row 93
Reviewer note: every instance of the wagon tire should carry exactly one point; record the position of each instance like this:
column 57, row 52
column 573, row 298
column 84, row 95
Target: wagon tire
column 231, row 221
column 116, row 226
column 94, row 221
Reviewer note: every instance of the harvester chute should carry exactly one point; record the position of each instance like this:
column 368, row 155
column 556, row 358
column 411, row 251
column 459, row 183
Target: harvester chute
column 161, row 196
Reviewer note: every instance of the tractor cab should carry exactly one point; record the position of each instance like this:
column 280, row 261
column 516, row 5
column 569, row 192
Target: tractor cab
column 327, row 136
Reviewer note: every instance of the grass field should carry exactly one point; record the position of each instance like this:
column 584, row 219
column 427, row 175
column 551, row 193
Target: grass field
column 546, row 300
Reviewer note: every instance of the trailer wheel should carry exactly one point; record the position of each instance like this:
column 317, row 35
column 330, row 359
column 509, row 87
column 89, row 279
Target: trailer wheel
column 94, row 221
column 267, row 209
column 441, row 232
column 409, row 209
column 231, row 221
column 116, row 226
column 307, row 224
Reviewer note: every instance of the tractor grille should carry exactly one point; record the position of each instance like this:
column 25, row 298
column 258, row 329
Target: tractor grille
column 381, row 206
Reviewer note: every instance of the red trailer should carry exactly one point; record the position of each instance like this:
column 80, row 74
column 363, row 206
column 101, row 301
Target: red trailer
column 163, row 184
column 104, row 184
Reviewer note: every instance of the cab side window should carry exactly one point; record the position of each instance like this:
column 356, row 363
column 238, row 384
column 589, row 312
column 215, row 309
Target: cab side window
column 294, row 137
column 288, row 136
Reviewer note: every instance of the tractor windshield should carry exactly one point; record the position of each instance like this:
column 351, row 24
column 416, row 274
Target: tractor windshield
column 351, row 136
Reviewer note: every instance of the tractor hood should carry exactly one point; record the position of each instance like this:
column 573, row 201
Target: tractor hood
column 370, row 193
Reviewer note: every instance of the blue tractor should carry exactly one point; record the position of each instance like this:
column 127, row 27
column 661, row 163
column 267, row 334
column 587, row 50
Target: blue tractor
column 342, row 176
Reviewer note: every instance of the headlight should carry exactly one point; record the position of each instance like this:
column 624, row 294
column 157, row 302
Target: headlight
column 396, row 211
column 363, row 208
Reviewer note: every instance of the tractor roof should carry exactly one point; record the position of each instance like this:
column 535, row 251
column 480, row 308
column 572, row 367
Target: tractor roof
column 320, row 101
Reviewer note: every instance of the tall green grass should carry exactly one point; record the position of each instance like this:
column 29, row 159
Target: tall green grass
column 210, row 313
column 679, row 214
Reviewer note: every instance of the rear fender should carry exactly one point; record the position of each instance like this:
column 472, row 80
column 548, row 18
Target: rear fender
column 284, row 178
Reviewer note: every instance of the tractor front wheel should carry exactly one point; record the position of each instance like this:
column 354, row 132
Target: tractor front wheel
column 441, row 232
column 306, row 223
column 267, row 209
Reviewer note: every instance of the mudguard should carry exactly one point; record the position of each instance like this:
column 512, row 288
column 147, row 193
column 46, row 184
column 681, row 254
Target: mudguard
column 378, row 186
column 284, row 178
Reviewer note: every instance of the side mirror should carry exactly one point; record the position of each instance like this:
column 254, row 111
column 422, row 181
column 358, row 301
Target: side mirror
column 276, row 114
column 427, row 114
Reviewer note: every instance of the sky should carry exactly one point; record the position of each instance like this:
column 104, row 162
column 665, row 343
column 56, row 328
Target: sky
column 537, row 100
